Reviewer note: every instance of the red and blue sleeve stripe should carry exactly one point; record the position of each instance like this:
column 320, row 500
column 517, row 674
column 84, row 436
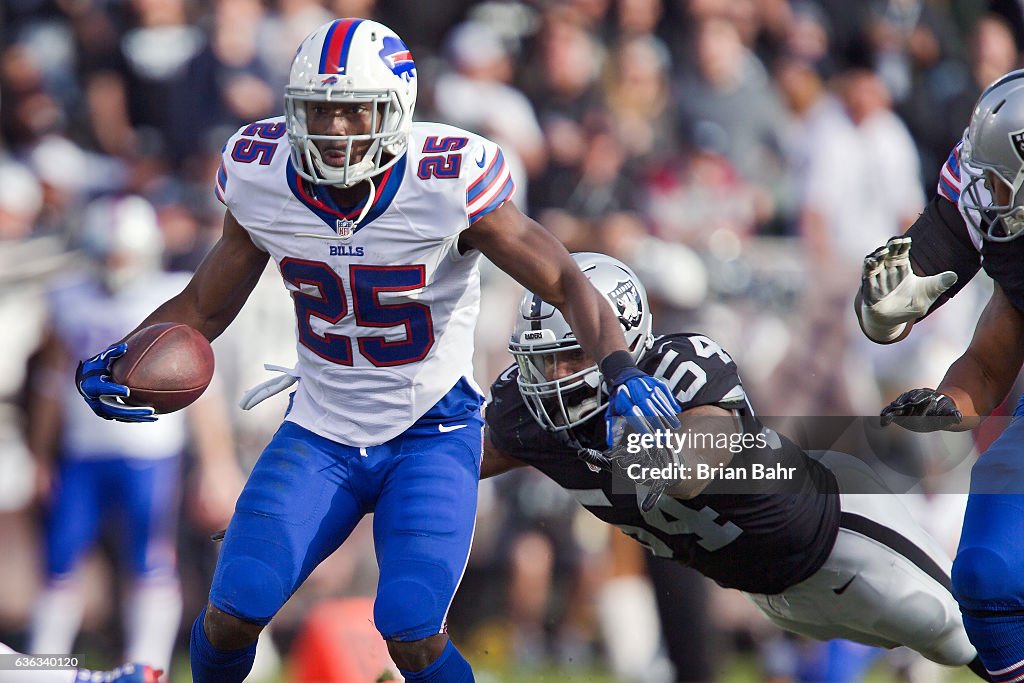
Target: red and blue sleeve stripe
column 950, row 183
column 490, row 190
column 334, row 56
column 221, row 186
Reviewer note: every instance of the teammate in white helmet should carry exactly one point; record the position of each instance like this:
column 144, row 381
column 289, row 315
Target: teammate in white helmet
column 94, row 475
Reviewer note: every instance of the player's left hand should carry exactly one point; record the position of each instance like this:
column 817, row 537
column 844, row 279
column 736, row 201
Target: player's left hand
column 892, row 295
column 618, row 462
column 922, row 410
column 646, row 403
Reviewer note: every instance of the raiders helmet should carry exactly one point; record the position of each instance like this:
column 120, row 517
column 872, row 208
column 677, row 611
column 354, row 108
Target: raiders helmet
column 993, row 154
column 543, row 341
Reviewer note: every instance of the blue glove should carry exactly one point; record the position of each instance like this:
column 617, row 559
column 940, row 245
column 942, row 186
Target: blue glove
column 646, row 402
column 103, row 394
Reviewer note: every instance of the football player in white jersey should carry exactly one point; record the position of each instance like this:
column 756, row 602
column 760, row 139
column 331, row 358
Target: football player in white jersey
column 376, row 225
column 92, row 473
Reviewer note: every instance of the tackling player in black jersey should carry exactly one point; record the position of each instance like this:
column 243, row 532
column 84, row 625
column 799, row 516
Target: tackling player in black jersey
column 815, row 559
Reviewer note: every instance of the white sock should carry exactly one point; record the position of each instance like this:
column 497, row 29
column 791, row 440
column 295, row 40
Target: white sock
column 628, row 618
column 56, row 618
column 15, row 676
column 267, row 665
column 152, row 615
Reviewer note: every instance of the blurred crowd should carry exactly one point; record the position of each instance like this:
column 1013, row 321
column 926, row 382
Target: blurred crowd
column 741, row 155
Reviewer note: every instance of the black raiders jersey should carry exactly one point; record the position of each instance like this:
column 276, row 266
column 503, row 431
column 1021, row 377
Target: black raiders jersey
column 942, row 241
column 759, row 542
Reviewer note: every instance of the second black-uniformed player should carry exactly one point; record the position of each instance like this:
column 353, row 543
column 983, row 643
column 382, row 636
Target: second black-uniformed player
column 815, row 559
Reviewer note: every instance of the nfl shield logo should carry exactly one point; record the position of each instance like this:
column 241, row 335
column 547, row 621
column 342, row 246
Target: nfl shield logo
column 345, row 228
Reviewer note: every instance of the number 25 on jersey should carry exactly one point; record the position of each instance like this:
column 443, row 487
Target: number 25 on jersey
column 329, row 304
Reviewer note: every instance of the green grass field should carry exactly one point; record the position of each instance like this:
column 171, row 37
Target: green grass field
column 740, row 670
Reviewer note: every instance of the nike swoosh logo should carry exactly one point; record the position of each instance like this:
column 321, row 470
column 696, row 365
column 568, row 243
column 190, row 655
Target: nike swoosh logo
column 443, row 429
column 483, row 158
column 842, row 589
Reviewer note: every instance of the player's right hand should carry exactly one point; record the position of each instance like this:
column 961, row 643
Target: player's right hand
column 922, row 410
column 646, row 403
column 103, row 394
column 891, row 294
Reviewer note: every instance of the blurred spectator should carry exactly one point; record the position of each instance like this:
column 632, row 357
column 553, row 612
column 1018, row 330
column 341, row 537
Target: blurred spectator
column 695, row 196
column 477, row 95
column 890, row 178
column 140, row 96
column 905, row 38
column 638, row 97
column 637, row 17
column 728, row 88
column 293, row 21
column 992, row 53
column 231, row 72
column 64, row 172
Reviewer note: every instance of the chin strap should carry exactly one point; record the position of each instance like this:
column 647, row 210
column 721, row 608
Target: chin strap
column 264, row 390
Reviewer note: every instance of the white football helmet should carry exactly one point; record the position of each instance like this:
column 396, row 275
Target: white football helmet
column 122, row 235
column 993, row 153
column 351, row 60
column 542, row 340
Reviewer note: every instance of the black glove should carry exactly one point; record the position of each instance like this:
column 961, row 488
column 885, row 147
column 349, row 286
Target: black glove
column 617, row 462
column 922, row 410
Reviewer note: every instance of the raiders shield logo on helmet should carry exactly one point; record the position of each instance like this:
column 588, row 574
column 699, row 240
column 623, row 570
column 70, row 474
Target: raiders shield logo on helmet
column 628, row 304
column 1018, row 143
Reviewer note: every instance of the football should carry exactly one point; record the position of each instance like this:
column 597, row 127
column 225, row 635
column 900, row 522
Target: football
column 167, row 367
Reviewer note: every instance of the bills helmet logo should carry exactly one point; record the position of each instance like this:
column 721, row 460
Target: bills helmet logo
column 628, row 304
column 330, row 80
column 1017, row 139
column 398, row 58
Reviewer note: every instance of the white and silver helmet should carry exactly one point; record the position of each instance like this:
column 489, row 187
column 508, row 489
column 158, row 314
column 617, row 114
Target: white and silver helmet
column 353, row 61
column 123, row 237
column 542, row 339
column 993, row 153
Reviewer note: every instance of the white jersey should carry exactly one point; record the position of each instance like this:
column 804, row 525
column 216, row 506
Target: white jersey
column 385, row 306
column 86, row 317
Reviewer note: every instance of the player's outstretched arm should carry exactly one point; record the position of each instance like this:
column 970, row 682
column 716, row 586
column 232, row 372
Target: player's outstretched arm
column 635, row 460
column 539, row 262
column 976, row 383
column 892, row 296
column 209, row 302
